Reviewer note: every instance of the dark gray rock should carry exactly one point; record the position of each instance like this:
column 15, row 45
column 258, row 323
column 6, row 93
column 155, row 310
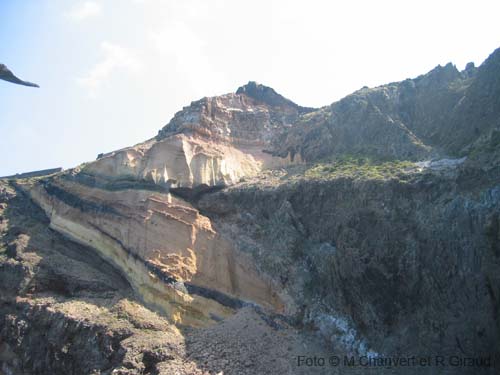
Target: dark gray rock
column 390, row 266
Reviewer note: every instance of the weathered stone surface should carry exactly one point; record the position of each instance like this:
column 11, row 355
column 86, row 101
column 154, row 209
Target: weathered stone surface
column 63, row 310
column 44, row 172
column 177, row 161
column 170, row 253
column 439, row 113
column 214, row 141
column 251, row 116
column 399, row 257
column 366, row 262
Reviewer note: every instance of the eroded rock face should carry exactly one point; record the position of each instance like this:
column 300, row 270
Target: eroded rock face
column 439, row 113
column 214, row 141
column 367, row 262
column 403, row 261
column 64, row 310
column 170, row 253
column 178, row 161
column 251, row 116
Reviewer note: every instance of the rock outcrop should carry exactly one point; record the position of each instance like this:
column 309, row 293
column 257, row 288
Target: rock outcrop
column 368, row 261
column 252, row 116
column 442, row 112
column 214, row 142
column 169, row 253
column 178, row 161
column 63, row 310
column 371, row 224
column 43, row 172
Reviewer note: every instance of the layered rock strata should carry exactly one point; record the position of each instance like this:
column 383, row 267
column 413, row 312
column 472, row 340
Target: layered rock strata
column 214, row 142
column 379, row 259
column 169, row 253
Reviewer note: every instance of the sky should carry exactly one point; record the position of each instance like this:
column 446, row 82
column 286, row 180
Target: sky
column 113, row 72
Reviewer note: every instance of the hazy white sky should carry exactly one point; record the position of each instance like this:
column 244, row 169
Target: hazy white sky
column 113, row 72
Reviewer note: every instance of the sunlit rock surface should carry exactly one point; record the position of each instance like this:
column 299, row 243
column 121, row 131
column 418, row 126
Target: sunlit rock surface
column 168, row 251
column 259, row 230
column 215, row 142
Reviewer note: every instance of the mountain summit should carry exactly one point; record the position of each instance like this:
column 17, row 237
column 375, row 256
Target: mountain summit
column 267, row 95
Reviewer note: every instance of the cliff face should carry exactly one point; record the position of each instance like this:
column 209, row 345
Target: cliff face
column 66, row 309
column 61, row 304
column 368, row 261
column 178, row 161
column 371, row 224
column 442, row 112
column 169, row 253
column 214, row 141
column 251, row 116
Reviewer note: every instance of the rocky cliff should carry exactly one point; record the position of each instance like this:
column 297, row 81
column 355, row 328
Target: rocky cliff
column 369, row 261
column 169, row 253
column 369, row 226
column 213, row 142
column 443, row 112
